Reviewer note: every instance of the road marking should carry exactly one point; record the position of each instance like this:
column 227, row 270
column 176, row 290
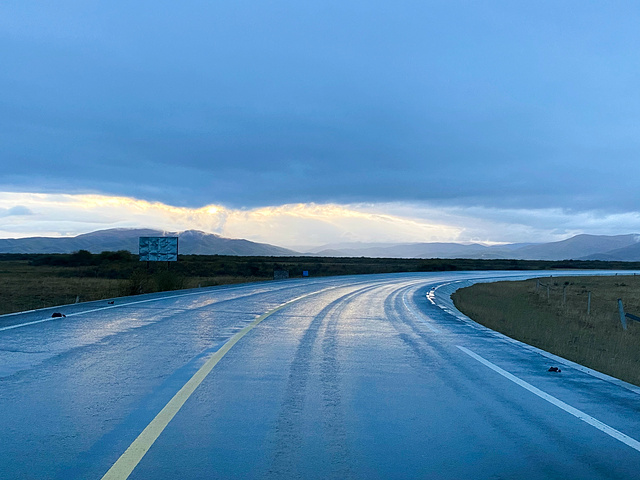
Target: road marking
column 11, row 327
column 426, row 322
column 612, row 432
column 141, row 445
column 137, row 302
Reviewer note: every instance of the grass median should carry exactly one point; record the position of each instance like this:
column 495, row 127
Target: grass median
column 555, row 314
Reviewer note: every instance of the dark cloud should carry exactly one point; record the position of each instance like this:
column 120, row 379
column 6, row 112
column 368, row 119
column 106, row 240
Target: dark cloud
column 250, row 103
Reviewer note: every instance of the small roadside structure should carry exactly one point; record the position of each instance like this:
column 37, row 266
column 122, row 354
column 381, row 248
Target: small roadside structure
column 280, row 274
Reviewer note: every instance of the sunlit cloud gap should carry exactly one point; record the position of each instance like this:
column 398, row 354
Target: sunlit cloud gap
column 304, row 224
column 62, row 215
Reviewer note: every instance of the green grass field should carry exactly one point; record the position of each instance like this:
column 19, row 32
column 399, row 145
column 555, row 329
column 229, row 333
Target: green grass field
column 560, row 324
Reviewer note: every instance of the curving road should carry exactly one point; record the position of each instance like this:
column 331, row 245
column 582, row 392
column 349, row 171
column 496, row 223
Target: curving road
column 347, row 377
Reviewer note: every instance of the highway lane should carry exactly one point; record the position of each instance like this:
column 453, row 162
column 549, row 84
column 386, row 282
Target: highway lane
column 357, row 377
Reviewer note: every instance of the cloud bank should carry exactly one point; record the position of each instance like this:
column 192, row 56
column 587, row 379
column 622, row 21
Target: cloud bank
column 299, row 225
column 522, row 106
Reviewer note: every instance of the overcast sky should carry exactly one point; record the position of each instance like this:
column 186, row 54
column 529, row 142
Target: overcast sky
column 466, row 121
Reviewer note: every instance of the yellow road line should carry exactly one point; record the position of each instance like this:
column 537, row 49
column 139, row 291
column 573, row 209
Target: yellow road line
column 141, row 445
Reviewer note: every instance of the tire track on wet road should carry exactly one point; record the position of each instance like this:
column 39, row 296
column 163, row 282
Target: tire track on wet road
column 289, row 427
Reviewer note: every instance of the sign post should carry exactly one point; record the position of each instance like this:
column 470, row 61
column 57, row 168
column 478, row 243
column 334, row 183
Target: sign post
column 158, row 249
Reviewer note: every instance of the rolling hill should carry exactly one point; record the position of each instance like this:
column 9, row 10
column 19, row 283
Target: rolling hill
column 190, row 242
column 579, row 247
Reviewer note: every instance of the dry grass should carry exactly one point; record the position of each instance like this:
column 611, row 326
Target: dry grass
column 25, row 287
column 598, row 341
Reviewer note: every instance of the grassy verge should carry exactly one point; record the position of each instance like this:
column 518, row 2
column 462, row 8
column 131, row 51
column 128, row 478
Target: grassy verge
column 30, row 281
column 556, row 319
column 25, row 285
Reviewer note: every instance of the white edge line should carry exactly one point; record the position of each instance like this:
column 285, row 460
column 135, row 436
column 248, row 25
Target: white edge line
column 192, row 291
column 49, row 319
column 415, row 314
column 603, row 427
column 568, row 363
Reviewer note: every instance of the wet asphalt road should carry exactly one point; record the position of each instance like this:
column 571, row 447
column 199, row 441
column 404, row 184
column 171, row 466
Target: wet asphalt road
column 362, row 377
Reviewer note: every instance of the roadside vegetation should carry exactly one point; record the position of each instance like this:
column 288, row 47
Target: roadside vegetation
column 556, row 319
column 29, row 281
column 34, row 281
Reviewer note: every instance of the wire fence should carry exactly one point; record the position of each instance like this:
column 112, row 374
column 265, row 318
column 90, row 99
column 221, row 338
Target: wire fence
column 582, row 298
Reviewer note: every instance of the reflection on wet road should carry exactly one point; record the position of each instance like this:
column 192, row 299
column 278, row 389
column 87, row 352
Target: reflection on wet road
column 344, row 377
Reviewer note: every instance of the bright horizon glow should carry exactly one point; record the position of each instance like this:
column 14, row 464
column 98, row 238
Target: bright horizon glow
column 488, row 122
column 303, row 224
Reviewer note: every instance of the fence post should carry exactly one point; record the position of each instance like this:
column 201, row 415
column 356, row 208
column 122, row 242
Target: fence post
column 547, row 292
column 537, row 285
column 589, row 304
column 621, row 311
column 564, row 295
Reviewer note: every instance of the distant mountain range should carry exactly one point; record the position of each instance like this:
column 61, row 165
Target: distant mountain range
column 580, row 247
column 190, row 242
